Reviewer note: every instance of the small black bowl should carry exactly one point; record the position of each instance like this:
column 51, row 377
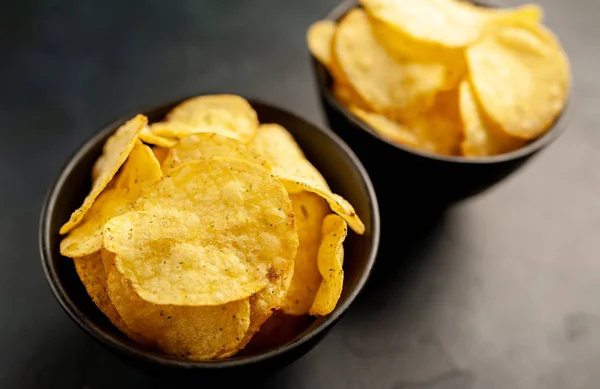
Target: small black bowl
column 325, row 150
column 401, row 172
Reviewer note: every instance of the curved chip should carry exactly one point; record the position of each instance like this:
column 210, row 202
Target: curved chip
column 198, row 146
column 93, row 276
column 330, row 261
column 319, row 38
column 160, row 153
column 310, row 210
column 139, row 172
column 481, row 139
column 228, row 115
column 210, row 232
column 439, row 30
column 148, row 136
column 520, row 76
column 387, row 128
column 188, row 332
column 387, row 85
column 292, row 168
column 115, row 152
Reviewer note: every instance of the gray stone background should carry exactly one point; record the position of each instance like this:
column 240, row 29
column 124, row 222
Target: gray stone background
column 502, row 292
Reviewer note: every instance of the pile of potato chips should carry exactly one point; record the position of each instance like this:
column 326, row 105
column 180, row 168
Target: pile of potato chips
column 198, row 227
column 446, row 76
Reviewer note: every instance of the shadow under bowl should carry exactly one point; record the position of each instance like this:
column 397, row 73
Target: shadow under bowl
column 403, row 173
column 325, row 150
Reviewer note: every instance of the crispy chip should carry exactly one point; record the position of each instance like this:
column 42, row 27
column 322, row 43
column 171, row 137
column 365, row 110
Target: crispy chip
column 148, row 136
column 310, row 210
column 439, row 30
column 198, row 146
column 348, row 97
column 210, row 232
column 115, row 152
column 440, row 129
column 160, row 153
column 139, row 172
column 319, row 38
column 330, row 261
column 228, row 115
column 520, row 76
column 481, row 139
column 387, row 128
column 188, row 332
column 387, row 85
column 91, row 272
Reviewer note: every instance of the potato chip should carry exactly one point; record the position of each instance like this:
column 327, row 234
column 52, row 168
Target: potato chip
column 139, row 172
column 160, row 153
column 210, row 232
column 330, row 261
column 387, row 85
column 310, row 210
column 278, row 146
column 439, row 30
column 189, row 332
column 520, row 76
column 148, row 136
column 319, row 38
column 387, row 128
column 91, row 272
column 227, row 115
column 115, row 152
column 481, row 139
column 348, row 97
column 198, row 146
column 440, row 129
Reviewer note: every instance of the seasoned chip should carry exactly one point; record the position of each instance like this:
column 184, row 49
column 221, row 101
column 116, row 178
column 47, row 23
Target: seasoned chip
column 387, row 128
column 198, row 146
column 227, row 115
column 520, row 76
column 330, row 260
column 188, row 332
column 387, row 85
column 481, row 139
column 139, row 172
column 319, row 38
column 439, row 30
column 210, row 232
column 115, row 152
column 93, row 276
column 148, row 136
column 309, row 210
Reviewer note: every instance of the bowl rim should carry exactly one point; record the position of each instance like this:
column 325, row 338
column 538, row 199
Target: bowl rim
column 556, row 129
column 115, row 342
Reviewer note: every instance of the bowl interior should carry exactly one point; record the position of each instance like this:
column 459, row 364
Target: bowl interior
column 325, row 83
column 324, row 149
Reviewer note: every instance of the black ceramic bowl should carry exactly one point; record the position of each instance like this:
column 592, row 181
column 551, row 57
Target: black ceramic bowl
column 399, row 171
column 326, row 151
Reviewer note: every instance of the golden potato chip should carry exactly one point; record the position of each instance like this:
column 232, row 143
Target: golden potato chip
column 91, row 272
column 139, row 172
column 387, row 85
column 188, row 332
column 440, row 129
column 278, row 146
column 148, row 136
column 207, row 145
column 348, row 97
column 520, row 76
column 481, row 139
column 319, row 38
column 210, row 232
column 330, row 260
column 309, row 210
column 160, row 153
column 387, row 128
column 115, row 152
column 227, row 115
column 292, row 168
column 439, row 30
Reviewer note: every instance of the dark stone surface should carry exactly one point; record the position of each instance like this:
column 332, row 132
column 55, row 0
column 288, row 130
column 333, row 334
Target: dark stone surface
column 499, row 292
